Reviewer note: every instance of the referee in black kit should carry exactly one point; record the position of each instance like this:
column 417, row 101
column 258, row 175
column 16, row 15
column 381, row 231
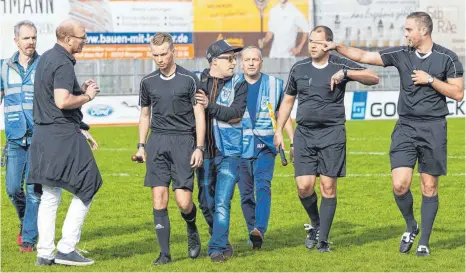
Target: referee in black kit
column 320, row 137
column 60, row 158
column 428, row 74
column 172, row 149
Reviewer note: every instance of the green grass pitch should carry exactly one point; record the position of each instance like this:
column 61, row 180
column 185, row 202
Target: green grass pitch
column 119, row 231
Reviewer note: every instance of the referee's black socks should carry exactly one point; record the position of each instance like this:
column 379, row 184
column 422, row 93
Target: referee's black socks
column 190, row 218
column 310, row 205
column 429, row 209
column 405, row 204
column 328, row 207
column 162, row 229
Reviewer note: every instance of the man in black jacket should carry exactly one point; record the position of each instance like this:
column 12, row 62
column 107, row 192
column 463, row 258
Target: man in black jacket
column 60, row 157
column 224, row 97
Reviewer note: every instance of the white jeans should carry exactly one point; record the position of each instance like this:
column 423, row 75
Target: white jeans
column 71, row 231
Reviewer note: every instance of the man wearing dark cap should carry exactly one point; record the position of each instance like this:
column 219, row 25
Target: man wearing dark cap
column 224, row 97
column 60, row 158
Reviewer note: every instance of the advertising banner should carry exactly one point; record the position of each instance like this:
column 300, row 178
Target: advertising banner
column 370, row 24
column 383, row 105
column 45, row 14
column 246, row 22
column 116, row 29
column 449, row 23
column 358, row 106
column 112, row 110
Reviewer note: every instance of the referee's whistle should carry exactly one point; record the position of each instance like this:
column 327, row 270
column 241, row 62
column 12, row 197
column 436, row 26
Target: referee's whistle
column 138, row 159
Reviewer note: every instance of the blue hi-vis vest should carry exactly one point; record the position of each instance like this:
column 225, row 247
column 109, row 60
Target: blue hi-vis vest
column 270, row 91
column 19, row 95
column 227, row 136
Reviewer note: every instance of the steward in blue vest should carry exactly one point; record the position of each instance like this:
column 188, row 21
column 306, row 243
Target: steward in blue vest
column 265, row 94
column 17, row 93
column 224, row 97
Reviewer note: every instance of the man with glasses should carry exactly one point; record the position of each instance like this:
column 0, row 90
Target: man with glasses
column 224, row 96
column 320, row 137
column 59, row 155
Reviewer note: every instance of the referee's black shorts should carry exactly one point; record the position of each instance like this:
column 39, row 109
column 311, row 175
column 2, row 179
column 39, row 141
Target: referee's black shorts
column 320, row 151
column 423, row 141
column 168, row 159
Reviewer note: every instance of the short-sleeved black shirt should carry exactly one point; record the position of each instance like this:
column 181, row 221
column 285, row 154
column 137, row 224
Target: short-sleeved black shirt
column 422, row 101
column 317, row 104
column 172, row 99
column 55, row 70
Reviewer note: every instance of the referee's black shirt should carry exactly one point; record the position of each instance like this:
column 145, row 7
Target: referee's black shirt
column 172, row 99
column 422, row 101
column 318, row 106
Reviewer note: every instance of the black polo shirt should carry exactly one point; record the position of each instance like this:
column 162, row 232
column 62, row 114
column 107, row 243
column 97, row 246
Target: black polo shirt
column 422, row 101
column 318, row 106
column 172, row 99
column 55, row 70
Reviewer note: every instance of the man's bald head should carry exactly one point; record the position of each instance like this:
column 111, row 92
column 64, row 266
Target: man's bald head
column 68, row 28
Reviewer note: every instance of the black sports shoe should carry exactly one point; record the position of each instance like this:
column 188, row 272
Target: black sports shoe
column 217, row 258
column 312, row 236
column 228, row 252
column 163, row 259
column 407, row 240
column 256, row 238
column 322, row 246
column 194, row 244
column 422, row 251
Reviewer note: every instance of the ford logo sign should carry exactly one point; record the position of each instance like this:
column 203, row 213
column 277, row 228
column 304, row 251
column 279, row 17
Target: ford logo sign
column 100, row 110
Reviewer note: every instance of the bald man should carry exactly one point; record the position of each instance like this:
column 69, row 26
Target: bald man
column 258, row 158
column 60, row 157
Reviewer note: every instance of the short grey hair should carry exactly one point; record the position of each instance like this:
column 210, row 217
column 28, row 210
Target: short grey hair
column 23, row 23
column 252, row 47
column 423, row 19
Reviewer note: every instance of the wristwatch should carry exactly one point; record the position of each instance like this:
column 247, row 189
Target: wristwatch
column 345, row 72
column 141, row 145
column 430, row 80
column 202, row 148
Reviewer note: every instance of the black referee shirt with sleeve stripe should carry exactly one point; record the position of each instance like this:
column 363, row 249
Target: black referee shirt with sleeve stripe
column 422, row 101
column 172, row 99
column 318, row 106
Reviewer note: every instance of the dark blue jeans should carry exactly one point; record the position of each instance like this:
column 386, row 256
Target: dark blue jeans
column 217, row 182
column 26, row 205
column 254, row 186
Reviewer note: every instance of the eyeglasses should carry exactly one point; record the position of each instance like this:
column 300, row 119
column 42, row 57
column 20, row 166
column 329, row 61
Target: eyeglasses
column 230, row 58
column 82, row 38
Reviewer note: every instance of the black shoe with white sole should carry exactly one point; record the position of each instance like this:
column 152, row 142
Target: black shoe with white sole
column 312, row 236
column 407, row 240
column 422, row 251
